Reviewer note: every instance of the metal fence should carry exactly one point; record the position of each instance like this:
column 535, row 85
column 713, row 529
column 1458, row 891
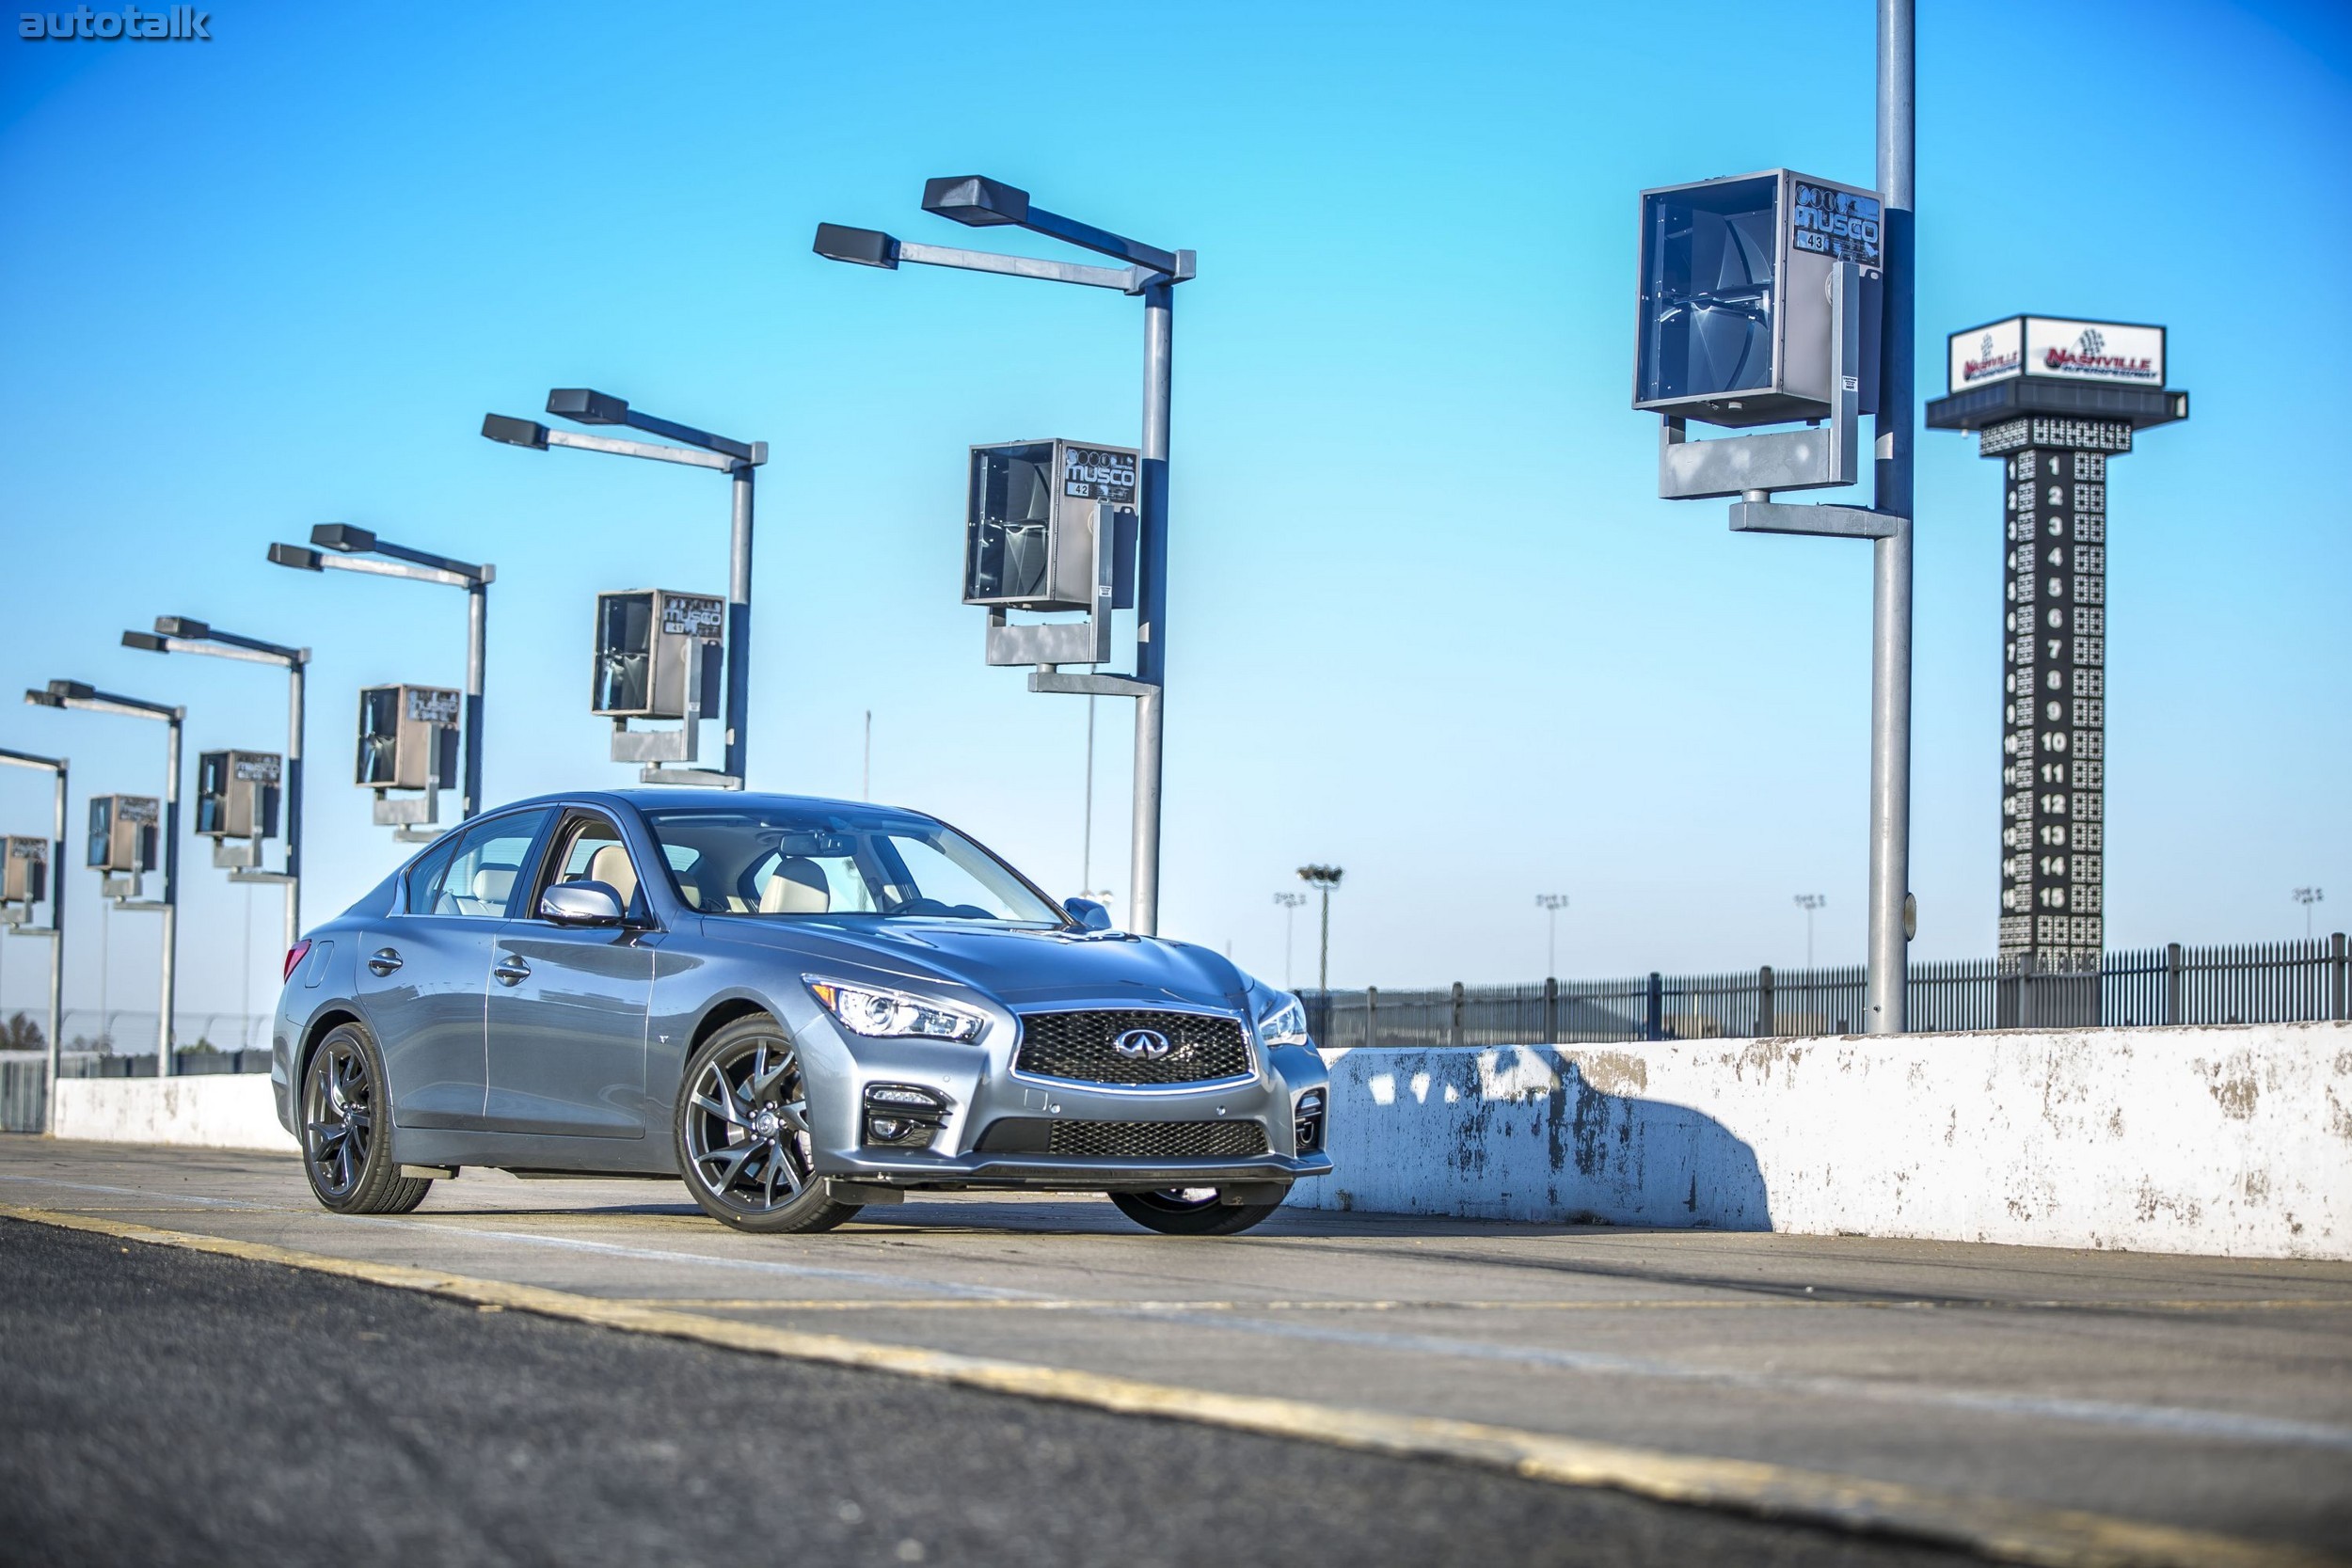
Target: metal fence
column 128, row 1032
column 2261, row 983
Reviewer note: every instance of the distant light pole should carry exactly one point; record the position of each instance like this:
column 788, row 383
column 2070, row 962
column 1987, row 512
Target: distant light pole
column 357, row 550
column 1809, row 902
column 2307, row 896
column 702, row 450
column 1323, row 878
column 1153, row 274
column 1551, row 904
column 84, row 698
column 1290, row 902
column 54, row 931
column 183, row 634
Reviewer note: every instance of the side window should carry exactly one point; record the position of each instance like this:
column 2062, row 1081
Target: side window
column 589, row 849
column 424, row 876
column 478, row 878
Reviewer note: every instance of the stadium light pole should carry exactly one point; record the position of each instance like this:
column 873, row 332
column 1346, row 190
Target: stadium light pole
column 54, row 931
column 1290, row 902
column 342, row 547
column 1151, row 274
column 1323, row 878
column 2307, row 896
column 1551, row 904
column 184, row 634
column 701, row 450
column 82, row 697
column 1809, row 902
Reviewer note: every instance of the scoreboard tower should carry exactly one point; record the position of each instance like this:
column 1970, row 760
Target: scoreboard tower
column 2054, row 400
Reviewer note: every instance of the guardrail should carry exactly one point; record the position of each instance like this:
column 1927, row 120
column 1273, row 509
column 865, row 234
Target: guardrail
column 2288, row 982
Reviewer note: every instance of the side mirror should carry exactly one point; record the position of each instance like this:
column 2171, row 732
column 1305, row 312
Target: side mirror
column 1087, row 913
column 581, row 904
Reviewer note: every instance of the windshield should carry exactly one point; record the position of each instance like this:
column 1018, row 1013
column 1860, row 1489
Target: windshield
column 838, row 861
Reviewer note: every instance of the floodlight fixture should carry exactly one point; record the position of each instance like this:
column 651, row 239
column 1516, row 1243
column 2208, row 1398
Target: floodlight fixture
column 343, row 537
column 582, row 405
column 863, row 248
column 514, row 432
column 977, row 200
column 300, row 558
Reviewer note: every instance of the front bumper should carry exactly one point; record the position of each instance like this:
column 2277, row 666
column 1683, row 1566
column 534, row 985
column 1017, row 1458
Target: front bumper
column 980, row 1089
column 1046, row 1173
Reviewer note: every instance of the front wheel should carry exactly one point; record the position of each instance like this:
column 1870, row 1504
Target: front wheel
column 346, row 1130
column 1191, row 1211
column 743, row 1139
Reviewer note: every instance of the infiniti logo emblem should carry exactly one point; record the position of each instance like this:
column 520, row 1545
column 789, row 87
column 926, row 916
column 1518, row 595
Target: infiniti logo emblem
column 1144, row 1045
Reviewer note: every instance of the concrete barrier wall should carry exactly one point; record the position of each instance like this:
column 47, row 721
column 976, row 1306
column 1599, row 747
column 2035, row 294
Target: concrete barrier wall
column 2228, row 1141
column 213, row 1111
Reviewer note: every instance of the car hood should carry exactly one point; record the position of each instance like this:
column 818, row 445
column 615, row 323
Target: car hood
column 1016, row 965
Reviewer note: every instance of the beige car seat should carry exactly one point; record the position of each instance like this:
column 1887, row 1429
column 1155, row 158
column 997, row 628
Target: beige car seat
column 492, row 885
column 612, row 866
column 797, row 886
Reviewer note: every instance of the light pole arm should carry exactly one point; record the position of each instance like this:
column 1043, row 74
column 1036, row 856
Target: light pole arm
column 395, row 569
column 1127, row 281
column 619, row 448
column 1102, row 241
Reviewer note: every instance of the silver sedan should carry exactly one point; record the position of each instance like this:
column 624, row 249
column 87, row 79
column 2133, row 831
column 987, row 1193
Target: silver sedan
column 798, row 1006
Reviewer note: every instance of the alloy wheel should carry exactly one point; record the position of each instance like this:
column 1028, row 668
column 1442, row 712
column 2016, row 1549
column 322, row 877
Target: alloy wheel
column 339, row 1118
column 747, row 1134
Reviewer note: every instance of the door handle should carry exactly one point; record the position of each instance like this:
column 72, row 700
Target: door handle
column 511, row 972
column 384, row 960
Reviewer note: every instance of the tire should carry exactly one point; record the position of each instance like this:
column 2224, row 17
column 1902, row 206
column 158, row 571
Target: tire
column 346, row 1130
column 742, row 1134
column 1191, row 1211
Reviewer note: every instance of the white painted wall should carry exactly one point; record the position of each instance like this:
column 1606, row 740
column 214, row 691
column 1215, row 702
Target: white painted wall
column 2229, row 1141
column 214, row 1109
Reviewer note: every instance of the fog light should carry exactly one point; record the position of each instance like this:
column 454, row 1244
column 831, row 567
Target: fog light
column 1307, row 1125
column 903, row 1115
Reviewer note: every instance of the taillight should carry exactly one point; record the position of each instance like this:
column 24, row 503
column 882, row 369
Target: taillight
column 294, row 954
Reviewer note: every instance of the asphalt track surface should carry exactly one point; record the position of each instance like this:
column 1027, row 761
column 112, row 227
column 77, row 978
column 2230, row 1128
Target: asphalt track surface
column 160, row 1407
column 2180, row 1410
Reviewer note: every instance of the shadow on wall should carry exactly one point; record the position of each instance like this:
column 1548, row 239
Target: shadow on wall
column 1557, row 1134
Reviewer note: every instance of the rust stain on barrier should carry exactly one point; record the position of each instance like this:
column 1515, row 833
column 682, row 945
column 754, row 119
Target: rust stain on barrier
column 2239, row 1092
column 1613, row 1072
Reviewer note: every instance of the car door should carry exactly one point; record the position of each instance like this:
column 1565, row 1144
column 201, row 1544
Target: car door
column 568, row 1003
column 424, row 974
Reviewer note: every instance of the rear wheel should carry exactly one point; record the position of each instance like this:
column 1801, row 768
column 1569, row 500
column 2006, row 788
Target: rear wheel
column 1191, row 1211
column 743, row 1139
column 346, row 1123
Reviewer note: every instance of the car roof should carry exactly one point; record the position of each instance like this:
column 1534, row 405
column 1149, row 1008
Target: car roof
column 672, row 796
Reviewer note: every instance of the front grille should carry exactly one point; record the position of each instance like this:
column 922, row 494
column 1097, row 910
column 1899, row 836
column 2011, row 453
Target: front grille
column 1125, row 1140
column 1078, row 1045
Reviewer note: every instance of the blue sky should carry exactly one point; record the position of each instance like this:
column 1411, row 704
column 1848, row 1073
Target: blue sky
column 1429, row 621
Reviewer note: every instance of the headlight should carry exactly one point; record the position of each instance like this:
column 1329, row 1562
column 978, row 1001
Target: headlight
column 894, row 1014
column 1285, row 1021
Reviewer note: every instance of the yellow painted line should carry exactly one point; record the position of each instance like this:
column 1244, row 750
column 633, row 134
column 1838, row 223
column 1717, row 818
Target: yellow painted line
column 2004, row 1531
column 1112, row 1304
